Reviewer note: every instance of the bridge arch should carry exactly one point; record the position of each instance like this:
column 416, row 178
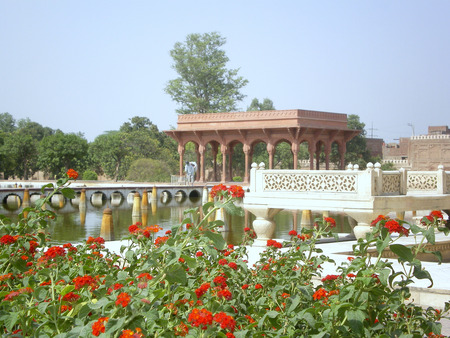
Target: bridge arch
column 12, row 202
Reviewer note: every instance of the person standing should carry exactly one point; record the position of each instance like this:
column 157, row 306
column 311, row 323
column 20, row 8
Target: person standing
column 189, row 170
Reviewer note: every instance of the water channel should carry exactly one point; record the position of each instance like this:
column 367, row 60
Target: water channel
column 71, row 225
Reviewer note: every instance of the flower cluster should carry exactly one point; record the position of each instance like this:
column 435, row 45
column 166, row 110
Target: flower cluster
column 222, row 191
column 72, row 174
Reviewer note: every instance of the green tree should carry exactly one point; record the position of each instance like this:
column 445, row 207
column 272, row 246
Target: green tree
column 60, row 152
column 19, row 150
column 357, row 152
column 34, row 129
column 110, row 154
column 7, row 123
column 267, row 104
column 204, row 84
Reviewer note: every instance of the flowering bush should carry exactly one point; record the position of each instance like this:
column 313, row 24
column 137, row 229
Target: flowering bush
column 189, row 282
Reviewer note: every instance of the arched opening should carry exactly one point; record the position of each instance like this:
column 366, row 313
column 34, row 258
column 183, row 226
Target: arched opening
column 237, row 163
column 303, row 156
column 259, row 153
column 283, row 157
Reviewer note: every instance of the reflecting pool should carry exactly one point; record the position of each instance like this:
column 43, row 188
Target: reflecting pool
column 75, row 224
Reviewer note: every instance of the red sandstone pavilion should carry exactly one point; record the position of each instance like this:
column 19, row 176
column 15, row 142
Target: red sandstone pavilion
column 319, row 129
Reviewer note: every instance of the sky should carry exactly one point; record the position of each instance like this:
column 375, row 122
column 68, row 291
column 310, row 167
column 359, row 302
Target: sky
column 90, row 65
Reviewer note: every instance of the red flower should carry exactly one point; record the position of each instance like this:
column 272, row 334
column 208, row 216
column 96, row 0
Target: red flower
column 217, row 190
column 378, row 219
column 394, row 226
column 236, row 191
column 161, row 240
column 98, row 240
column 232, row 265
column 202, row 289
column 85, row 280
column 330, row 277
column 225, row 293
column 319, row 294
column 200, row 318
column 247, row 229
column 274, row 243
column 145, row 276
column 436, row 214
column 199, row 254
column 226, row 322
column 181, row 329
column 131, row 333
column 292, row 233
column 258, row 286
column 72, row 174
column 8, row 239
column 71, row 297
column 220, row 281
column 123, row 299
column 330, row 222
column 55, row 251
column 99, row 327
column 244, row 287
column 223, row 261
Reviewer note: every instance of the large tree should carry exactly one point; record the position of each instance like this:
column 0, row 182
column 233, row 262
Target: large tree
column 204, row 84
column 20, row 153
column 7, row 123
column 60, row 152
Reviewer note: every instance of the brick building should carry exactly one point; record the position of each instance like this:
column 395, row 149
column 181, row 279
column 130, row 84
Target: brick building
column 422, row 152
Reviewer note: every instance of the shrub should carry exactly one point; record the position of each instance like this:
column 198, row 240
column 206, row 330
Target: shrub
column 188, row 281
column 149, row 170
column 237, row 179
column 89, row 175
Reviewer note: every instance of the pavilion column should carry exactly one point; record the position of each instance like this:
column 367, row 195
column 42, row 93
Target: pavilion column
column 311, row 154
column 201, row 150
column 246, row 149
column 294, row 148
column 181, row 152
column 197, row 153
column 342, row 151
column 327, row 155
column 230, row 164
column 214, row 151
column 224, row 149
column 318, row 151
column 270, row 150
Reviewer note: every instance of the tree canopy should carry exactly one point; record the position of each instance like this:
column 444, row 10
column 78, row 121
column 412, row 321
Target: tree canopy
column 204, row 84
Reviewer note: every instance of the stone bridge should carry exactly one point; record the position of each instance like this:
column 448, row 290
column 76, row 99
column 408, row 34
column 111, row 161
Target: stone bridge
column 115, row 194
column 362, row 195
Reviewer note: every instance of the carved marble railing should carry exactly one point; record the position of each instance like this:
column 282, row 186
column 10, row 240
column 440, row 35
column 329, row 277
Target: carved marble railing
column 362, row 194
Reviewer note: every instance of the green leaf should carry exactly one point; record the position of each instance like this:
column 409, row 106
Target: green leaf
column 355, row 320
column 382, row 244
column 403, row 252
column 419, row 273
column 11, row 320
column 430, row 235
column 67, row 289
column 295, row 300
column 217, row 239
column 49, row 185
column 114, row 325
column 68, row 193
column 176, row 274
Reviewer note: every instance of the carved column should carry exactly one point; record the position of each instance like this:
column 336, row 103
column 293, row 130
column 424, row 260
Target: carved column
column 270, row 150
column 181, row 152
column 327, row 155
column 342, row 151
column 201, row 168
column 294, row 149
column 311, row 150
column 197, row 173
column 224, row 149
column 246, row 149
column 230, row 160
column 318, row 151
column 214, row 151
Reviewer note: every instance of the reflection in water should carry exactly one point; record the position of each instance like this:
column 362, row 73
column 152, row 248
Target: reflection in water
column 77, row 221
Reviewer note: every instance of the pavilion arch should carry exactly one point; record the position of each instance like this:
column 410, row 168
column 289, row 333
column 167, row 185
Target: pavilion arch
column 294, row 126
column 279, row 145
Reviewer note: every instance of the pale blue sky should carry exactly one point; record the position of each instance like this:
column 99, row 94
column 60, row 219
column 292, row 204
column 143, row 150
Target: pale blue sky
column 89, row 66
